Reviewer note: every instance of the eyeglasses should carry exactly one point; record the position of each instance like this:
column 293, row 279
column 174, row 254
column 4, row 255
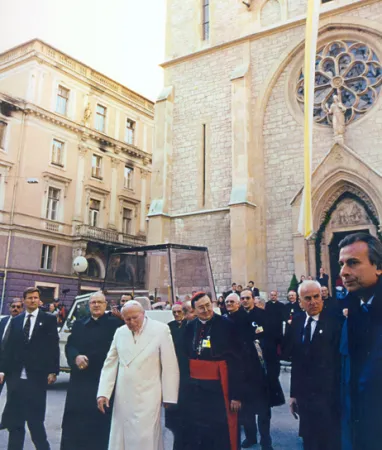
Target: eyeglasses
column 95, row 302
column 229, row 301
column 16, row 306
column 245, row 298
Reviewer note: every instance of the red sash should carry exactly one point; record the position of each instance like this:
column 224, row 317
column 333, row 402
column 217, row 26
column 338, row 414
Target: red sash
column 217, row 370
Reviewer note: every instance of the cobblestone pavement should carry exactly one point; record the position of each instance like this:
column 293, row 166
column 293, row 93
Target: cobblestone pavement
column 284, row 426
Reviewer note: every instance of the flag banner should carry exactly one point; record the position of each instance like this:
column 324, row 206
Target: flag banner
column 312, row 21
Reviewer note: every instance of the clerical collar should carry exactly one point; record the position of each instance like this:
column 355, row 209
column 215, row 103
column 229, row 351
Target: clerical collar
column 205, row 321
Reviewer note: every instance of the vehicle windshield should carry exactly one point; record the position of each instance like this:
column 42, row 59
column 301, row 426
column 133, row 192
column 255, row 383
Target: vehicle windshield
column 166, row 274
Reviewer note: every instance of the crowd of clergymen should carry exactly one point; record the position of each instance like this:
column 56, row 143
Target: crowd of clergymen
column 212, row 373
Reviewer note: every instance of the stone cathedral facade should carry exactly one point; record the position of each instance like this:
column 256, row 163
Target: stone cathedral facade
column 228, row 158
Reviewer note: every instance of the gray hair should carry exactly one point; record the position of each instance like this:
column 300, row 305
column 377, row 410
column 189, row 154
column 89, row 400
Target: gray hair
column 132, row 303
column 306, row 284
column 260, row 300
column 234, row 296
column 97, row 294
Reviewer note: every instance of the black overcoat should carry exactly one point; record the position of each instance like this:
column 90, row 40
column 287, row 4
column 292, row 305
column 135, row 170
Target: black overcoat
column 255, row 387
column 315, row 379
column 84, row 426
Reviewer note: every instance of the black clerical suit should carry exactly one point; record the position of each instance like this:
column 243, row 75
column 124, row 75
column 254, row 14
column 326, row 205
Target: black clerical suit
column 364, row 333
column 205, row 405
column 34, row 358
column 315, row 381
column 256, row 399
column 175, row 418
column 84, row 427
column 275, row 316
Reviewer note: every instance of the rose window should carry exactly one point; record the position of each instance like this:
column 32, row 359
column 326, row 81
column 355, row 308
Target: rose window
column 348, row 69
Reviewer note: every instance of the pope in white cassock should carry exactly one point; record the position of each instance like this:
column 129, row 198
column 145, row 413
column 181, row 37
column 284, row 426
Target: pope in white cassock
column 142, row 366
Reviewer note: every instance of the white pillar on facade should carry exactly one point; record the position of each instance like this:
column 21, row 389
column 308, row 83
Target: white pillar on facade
column 142, row 223
column 78, row 211
column 113, row 194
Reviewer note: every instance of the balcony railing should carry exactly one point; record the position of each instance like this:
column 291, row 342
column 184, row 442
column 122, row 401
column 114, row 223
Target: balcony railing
column 112, row 236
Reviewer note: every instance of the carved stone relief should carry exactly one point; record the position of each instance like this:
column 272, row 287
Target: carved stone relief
column 349, row 213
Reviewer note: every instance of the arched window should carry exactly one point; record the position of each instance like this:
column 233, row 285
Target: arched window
column 93, row 269
column 349, row 69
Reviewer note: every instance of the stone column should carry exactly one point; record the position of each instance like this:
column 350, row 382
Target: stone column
column 159, row 225
column 248, row 251
column 113, row 194
column 142, row 222
column 78, row 210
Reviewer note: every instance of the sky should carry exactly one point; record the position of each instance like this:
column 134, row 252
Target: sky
column 123, row 39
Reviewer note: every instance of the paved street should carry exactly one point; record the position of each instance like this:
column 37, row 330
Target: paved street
column 284, row 426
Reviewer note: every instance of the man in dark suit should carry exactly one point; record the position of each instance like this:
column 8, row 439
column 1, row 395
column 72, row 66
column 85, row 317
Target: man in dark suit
column 275, row 315
column 86, row 351
column 323, row 278
column 30, row 361
column 15, row 308
column 255, row 290
column 175, row 419
column 315, row 377
column 361, row 269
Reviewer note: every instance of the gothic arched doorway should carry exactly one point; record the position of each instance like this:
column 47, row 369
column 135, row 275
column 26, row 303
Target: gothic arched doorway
column 348, row 214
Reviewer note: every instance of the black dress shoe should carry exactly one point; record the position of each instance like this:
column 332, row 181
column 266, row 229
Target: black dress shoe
column 247, row 443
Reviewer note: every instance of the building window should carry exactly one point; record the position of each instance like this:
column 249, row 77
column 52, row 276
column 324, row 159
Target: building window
column 206, row 19
column 52, row 205
column 3, row 129
column 58, row 153
column 94, row 212
column 47, row 257
column 128, row 177
column 130, row 130
column 97, row 167
column 100, row 118
column 348, row 70
column 93, row 268
column 62, row 100
column 126, row 221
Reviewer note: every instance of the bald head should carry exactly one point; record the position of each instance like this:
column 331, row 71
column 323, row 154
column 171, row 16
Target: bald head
column 133, row 314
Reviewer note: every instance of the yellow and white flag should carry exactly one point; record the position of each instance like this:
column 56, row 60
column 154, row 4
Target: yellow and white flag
column 305, row 225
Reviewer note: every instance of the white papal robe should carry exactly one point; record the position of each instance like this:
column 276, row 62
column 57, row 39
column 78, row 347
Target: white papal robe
column 145, row 373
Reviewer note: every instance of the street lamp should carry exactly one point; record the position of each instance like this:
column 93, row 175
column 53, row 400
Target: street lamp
column 80, row 265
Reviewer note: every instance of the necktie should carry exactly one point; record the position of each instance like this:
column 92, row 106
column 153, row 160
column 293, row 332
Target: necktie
column 308, row 331
column 27, row 328
column 365, row 307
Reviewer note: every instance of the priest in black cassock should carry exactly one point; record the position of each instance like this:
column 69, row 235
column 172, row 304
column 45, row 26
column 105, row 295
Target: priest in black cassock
column 175, row 419
column 214, row 392
column 84, row 427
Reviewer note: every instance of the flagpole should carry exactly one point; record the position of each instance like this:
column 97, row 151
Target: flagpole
column 311, row 36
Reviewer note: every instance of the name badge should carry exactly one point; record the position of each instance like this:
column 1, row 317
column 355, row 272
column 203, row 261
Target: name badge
column 206, row 343
column 259, row 329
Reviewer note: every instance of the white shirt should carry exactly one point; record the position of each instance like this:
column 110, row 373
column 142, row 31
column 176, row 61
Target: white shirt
column 33, row 323
column 313, row 325
column 370, row 301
